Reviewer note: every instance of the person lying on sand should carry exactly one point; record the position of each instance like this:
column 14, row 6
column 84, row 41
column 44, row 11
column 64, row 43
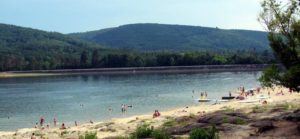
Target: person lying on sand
column 280, row 93
column 264, row 102
column 156, row 114
column 63, row 126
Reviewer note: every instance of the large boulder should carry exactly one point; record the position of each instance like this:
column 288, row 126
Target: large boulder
column 263, row 125
column 221, row 118
column 295, row 116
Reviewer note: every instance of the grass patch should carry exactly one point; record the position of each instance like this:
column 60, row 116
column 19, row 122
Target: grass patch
column 288, row 106
column 259, row 109
column 228, row 109
column 225, row 120
column 240, row 121
column 171, row 122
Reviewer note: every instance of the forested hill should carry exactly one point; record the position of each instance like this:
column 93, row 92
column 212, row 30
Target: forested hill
column 26, row 48
column 30, row 49
column 20, row 41
column 158, row 37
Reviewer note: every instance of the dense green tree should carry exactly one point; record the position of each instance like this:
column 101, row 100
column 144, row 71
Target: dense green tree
column 95, row 58
column 281, row 19
column 84, row 59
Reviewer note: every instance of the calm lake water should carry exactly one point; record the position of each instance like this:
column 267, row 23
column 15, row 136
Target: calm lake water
column 25, row 100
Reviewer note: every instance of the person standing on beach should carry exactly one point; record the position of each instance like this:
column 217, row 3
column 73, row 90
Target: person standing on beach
column 205, row 94
column 123, row 108
column 75, row 123
column 201, row 95
column 193, row 94
column 42, row 120
column 54, row 121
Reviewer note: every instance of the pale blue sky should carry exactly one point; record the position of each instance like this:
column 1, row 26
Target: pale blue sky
column 84, row 15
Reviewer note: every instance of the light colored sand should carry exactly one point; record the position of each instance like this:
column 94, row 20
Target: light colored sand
column 124, row 126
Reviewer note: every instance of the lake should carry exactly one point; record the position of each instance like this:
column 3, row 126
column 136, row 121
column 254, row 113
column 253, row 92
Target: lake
column 24, row 100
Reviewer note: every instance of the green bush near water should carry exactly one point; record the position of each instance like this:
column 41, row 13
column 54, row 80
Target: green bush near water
column 145, row 131
column 89, row 135
column 204, row 133
column 160, row 134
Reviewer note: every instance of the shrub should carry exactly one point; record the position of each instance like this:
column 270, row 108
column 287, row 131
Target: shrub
column 89, row 135
column 204, row 133
column 143, row 131
column 160, row 134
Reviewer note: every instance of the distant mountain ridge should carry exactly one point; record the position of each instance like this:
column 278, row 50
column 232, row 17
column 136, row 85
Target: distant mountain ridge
column 160, row 37
column 26, row 41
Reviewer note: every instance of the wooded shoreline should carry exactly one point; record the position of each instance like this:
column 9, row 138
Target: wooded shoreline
column 137, row 70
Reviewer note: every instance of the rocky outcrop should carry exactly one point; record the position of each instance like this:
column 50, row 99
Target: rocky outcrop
column 263, row 125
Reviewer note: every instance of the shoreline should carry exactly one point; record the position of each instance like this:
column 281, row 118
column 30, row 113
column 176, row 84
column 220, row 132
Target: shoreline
column 124, row 126
column 136, row 70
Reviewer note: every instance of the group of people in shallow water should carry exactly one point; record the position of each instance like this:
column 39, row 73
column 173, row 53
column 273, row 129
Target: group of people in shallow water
column 203, row 95
column 124, row 107
column 42, row 123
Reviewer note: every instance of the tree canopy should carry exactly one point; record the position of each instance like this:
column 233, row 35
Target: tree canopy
column 282, row 20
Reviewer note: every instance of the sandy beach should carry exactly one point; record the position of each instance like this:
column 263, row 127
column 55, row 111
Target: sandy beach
column 125, row 126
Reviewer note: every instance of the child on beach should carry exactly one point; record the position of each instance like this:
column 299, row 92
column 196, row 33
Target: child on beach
column 33, row 136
